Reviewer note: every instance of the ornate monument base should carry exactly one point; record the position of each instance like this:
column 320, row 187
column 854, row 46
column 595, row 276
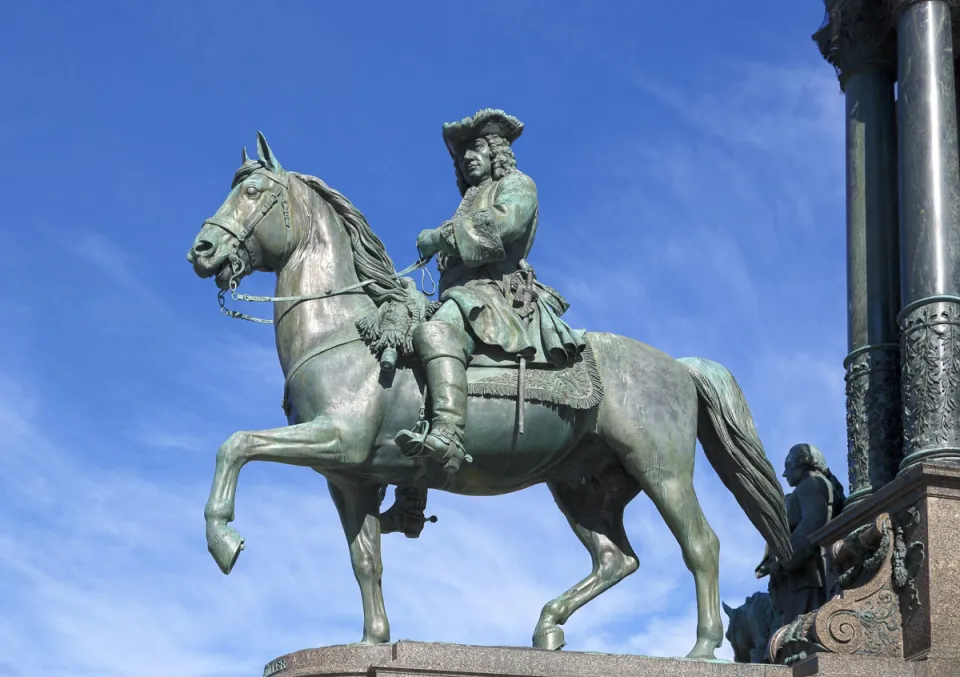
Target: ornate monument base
column 898, row 554
column 924, row 504
column 418, row 659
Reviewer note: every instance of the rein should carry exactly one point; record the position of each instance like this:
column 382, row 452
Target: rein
column 293, row 299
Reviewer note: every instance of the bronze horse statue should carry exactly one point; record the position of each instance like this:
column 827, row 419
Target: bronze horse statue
column 344, row 409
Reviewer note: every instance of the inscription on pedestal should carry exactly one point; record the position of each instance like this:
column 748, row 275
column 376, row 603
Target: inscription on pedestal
column 276, row 666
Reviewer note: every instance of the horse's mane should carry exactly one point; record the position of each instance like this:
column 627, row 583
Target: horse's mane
column 369, row 255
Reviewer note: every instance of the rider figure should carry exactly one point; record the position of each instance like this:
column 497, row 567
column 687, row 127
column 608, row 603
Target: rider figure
column 486, row 287
column 489, row 294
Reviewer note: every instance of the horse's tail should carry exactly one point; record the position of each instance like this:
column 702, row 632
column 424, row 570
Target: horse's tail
column 726, row 430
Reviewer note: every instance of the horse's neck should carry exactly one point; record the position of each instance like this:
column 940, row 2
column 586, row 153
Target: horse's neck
column 323, row 261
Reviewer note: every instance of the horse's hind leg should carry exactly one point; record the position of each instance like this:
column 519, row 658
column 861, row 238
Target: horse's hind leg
column 597, row 519
column 666, row 475
column 359, row 508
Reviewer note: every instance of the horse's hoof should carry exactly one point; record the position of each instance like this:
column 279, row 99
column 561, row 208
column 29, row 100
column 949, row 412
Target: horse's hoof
column 374, row 641
column 225, row 544
column 550, row 637
column 703, row 650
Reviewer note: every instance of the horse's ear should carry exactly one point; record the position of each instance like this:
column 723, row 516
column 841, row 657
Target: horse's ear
column 728, row 610
column 266, row 155
column 246, row 158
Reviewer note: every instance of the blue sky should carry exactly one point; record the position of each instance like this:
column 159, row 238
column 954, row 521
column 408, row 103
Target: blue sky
column 689, row 162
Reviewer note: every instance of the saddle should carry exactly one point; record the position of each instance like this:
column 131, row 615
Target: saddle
column 490, row 373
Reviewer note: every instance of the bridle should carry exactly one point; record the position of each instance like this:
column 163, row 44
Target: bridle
column 242, row 235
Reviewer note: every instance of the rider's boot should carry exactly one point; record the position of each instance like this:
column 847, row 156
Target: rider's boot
column 406, row 515
column 443, row 349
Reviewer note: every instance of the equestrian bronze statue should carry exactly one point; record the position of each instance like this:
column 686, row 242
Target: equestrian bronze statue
column 484, row 392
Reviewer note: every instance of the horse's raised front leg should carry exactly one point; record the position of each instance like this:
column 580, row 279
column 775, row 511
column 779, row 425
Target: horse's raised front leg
column 312, row 444
column 359, row 508
column 596, row 516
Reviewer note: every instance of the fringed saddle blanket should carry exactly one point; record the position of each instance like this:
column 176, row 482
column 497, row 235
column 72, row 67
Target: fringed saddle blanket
column 577, row 386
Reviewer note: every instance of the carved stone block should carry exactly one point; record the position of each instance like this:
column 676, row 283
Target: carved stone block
column 924, row 504
column 830, row 665
column 864, row 619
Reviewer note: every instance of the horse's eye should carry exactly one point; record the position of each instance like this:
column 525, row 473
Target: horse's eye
column 251, row 191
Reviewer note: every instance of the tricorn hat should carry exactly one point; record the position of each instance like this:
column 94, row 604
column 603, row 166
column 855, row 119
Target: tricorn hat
column 482, row 123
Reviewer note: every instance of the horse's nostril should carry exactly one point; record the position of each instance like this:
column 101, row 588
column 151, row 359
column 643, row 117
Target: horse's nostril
column 199, row 250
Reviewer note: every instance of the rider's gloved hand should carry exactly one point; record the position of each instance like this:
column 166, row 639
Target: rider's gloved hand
column 429, row 242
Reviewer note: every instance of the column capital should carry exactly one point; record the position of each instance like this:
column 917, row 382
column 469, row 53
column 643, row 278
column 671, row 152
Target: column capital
column 857, row 34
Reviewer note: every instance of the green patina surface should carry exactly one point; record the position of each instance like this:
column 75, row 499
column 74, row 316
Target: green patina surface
column 381, row 383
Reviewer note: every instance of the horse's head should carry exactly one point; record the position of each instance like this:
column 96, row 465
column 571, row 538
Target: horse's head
column 251, row 230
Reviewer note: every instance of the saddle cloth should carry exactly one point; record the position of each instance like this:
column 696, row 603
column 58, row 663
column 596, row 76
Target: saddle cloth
column 577, row 386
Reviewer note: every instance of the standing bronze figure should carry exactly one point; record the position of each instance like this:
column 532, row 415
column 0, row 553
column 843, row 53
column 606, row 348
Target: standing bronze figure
column 799, row 584
column 613, row 418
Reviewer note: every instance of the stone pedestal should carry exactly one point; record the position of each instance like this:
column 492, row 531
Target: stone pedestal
column 410, row 659
column 823, row 665
column 923, row 507
column 418, row 659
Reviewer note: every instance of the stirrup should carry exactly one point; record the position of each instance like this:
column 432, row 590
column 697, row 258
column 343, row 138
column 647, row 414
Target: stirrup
column 412, row 443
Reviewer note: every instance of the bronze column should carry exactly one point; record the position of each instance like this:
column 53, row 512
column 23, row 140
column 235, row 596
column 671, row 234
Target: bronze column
column 859, row 44
column 929, row 231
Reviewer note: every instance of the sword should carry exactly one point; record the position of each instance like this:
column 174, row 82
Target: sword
column 520, row 393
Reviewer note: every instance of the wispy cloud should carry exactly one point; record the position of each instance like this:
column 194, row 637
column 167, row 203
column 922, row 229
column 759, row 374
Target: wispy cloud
column 167, row 438
column 104, row 255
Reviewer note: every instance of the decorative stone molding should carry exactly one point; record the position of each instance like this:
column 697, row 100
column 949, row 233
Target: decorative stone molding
column 873, row 565
column 874, row 429
column 930, row 379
